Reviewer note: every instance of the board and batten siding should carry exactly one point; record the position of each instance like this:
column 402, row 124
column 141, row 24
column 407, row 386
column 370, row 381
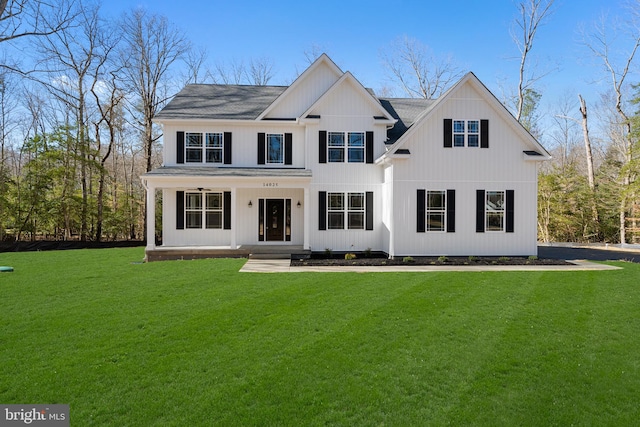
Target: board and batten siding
column 304, row 93
column 431, row 166
column 244, row 142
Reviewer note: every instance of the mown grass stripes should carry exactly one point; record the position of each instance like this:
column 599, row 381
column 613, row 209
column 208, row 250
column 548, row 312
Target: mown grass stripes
column 197, row 343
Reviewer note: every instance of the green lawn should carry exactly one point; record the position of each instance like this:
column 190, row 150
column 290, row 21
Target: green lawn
column 189, row 343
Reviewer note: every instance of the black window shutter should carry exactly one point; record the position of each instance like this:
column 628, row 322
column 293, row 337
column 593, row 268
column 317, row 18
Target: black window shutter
column 484, row 133
column 322, row 210
column 448, row 133
column 288, row 148
column 508, row 225
column 451, row 211
column 421, row 211
column 227, row 148
column 368, row 200
column 480, row 206
column 322, row 146
column 179, row 210
column 369, row 147
column 226, row 213
column 180, row 147
column 262, row 141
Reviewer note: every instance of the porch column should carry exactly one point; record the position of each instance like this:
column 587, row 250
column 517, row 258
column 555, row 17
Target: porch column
column 305, row 244
column 234, row 215
column 151, row 217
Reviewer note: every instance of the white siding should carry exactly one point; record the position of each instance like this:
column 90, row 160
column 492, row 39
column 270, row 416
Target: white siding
column 244, row 145
column 305, row 93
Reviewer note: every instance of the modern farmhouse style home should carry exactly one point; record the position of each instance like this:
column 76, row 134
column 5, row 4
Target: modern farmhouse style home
column 325, row 164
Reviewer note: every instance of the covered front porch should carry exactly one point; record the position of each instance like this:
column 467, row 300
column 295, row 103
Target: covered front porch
column 214, row 212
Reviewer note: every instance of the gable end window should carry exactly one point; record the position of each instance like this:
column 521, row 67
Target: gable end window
column 466, row 133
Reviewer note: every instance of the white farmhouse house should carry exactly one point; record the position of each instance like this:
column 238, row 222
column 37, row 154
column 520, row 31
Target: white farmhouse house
column 325, row 164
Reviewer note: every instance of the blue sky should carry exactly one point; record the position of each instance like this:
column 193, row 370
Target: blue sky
column 476, row 33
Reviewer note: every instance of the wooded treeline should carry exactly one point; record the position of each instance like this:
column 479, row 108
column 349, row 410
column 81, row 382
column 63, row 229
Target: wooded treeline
column 76, row 129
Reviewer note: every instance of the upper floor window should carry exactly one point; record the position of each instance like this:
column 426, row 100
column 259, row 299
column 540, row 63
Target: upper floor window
column 208, row 147
column 345, row 146
column 466, row 133
column 275, row 148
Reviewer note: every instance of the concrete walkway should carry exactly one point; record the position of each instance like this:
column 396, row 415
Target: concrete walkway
column 263, row 265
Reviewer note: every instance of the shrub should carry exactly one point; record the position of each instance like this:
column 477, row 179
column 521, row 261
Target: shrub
column 473, row 258
column 328, row 252
column 367, row 253
column 408, row 259
column 443, row 258
column 503, row 259
column 349, row 256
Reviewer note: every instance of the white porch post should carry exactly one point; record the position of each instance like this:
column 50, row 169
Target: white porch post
column 234, row 215
column 305, row 243
column 151, row 217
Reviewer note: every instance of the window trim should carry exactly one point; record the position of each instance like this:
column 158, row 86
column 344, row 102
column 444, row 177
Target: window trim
column 281, row 156
column 203, row 147
column 498, row 212
column 465, row 133
column 346, row 147
column 442, row 211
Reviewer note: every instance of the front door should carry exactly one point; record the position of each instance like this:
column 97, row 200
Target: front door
column 274, row 219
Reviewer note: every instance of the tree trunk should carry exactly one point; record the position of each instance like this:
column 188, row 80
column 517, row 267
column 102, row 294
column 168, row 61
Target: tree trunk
column 590, row 169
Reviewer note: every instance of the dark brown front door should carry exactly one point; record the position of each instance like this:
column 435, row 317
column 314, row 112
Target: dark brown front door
column 274, row 219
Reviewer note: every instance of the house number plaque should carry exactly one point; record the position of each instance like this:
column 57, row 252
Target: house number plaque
column 269, row 184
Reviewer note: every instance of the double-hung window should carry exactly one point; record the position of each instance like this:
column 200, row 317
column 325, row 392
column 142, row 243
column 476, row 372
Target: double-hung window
column 356, row 210
column 193, row 210
column 193, row 147
column 213, row 210
column 335, row 209
column 214, row 146
column 356, row 147
column 335, row 147
column 436, row 210
column 495, row 209
column 275, row 148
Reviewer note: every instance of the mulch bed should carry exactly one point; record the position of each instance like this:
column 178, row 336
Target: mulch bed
column 322, row 260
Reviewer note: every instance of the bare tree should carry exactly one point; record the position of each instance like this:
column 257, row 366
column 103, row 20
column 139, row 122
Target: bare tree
column 152, row 46
column 33, row 18
column 412, row 66
column 532, row 14
column 196, row 70
column 232, row 73
column 260, row 71
column 617, row 68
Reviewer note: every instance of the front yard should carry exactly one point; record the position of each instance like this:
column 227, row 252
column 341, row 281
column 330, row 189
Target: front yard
column 196, row 343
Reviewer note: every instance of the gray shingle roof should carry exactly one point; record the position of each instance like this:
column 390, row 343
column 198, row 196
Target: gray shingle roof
column 246, row 102
column 406, row 111
column 212, row 101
